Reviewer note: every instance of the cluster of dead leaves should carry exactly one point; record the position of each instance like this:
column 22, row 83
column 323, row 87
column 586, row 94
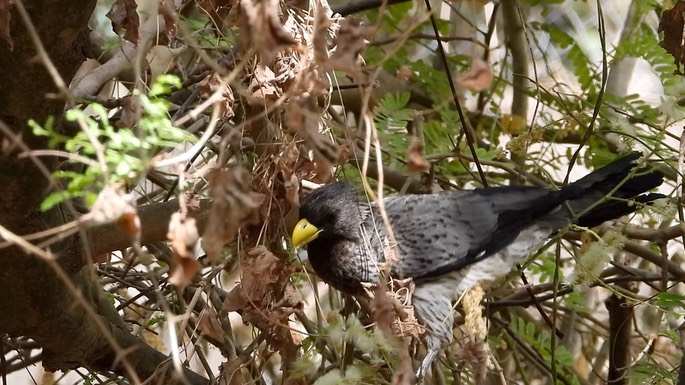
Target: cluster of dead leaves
column 124, row 16
column 213, row 83
column 264, row 299
column 350, row 42
column 393, row 311
column 394, row 316
column 265, row 32
column 304, row 118
column 233, row 206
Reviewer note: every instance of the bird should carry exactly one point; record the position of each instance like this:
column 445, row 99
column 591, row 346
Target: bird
column 447, row 242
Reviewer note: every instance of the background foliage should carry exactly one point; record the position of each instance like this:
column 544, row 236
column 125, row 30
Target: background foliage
column 181, row 148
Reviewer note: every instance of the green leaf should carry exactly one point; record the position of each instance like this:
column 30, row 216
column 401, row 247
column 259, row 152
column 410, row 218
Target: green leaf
column 53, row 199
column 666, row 299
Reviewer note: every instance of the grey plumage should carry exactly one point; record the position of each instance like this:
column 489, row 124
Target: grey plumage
column 447, row 242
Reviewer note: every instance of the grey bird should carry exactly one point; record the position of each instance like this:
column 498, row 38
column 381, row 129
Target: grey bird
column 448, row 242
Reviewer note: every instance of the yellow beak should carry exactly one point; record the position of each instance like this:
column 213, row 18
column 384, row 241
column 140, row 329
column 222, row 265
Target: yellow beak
column 304, row 233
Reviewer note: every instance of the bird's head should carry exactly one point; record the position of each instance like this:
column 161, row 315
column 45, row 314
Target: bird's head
column 331, row 211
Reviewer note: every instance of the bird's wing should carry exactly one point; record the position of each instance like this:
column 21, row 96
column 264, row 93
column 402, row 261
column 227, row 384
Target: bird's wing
column 440, row 233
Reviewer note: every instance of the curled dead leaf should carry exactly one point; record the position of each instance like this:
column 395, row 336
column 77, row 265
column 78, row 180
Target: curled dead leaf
column 217, row 10
column 161, row 59
column 231, row 373
column 479, row 77
column 214, row 83
column 124, row 16
column 166, row 9
column 209, row 325
column 263, row 88
column 233, row 204
column 304, row 118
column 415, row 160
column 263, row 275
column 671, row 24
column 264, row 28
column 130, row 112
column 322, row 24
column 392, row 308
column 184, row 270
column 350, row 42
column 183, row 236
column 292, row 190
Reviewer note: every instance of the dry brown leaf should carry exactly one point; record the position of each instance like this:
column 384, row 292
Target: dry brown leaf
column 184, row 270
column 303, row 117
column 130, row 112
column 264, row 28
column 263, row 298
column 310, row 78
column 217, row 10
column 475, row 354
column 479, row 77
column 392, row 308
column 415, row 160
column 350, row 42
column 261, row 274
column 113, row 205
column 404, row 73
column 263, row 88
column 233, row 204
column 5, row 18
column 183, row 236
column 161, row 59
column 291, row 163
column 209, row 325
column 209, row 85
column 383, row 311
column 671, row 24
column 123, row 15
column 292, row 190
column 166, row 9
column 320, row 42
column 230, row 373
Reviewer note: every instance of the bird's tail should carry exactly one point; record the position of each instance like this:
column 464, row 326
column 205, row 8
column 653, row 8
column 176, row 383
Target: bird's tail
column 612, row 191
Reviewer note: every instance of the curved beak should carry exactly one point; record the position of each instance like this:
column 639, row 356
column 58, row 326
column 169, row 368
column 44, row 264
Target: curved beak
column 304, row 233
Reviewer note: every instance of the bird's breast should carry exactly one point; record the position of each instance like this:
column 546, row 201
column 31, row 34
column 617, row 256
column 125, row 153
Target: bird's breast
column 345, row 265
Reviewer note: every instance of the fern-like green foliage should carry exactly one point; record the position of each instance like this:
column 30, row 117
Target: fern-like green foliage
column 391, row 117
column 540, row 341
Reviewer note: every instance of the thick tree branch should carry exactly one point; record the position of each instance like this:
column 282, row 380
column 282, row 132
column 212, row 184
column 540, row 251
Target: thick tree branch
column 154, row 219
column 620, row 329
column 39, row 298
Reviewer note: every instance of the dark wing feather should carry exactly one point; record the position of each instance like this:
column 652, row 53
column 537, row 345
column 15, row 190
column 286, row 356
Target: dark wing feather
column 437, row 234
column 440, row 233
